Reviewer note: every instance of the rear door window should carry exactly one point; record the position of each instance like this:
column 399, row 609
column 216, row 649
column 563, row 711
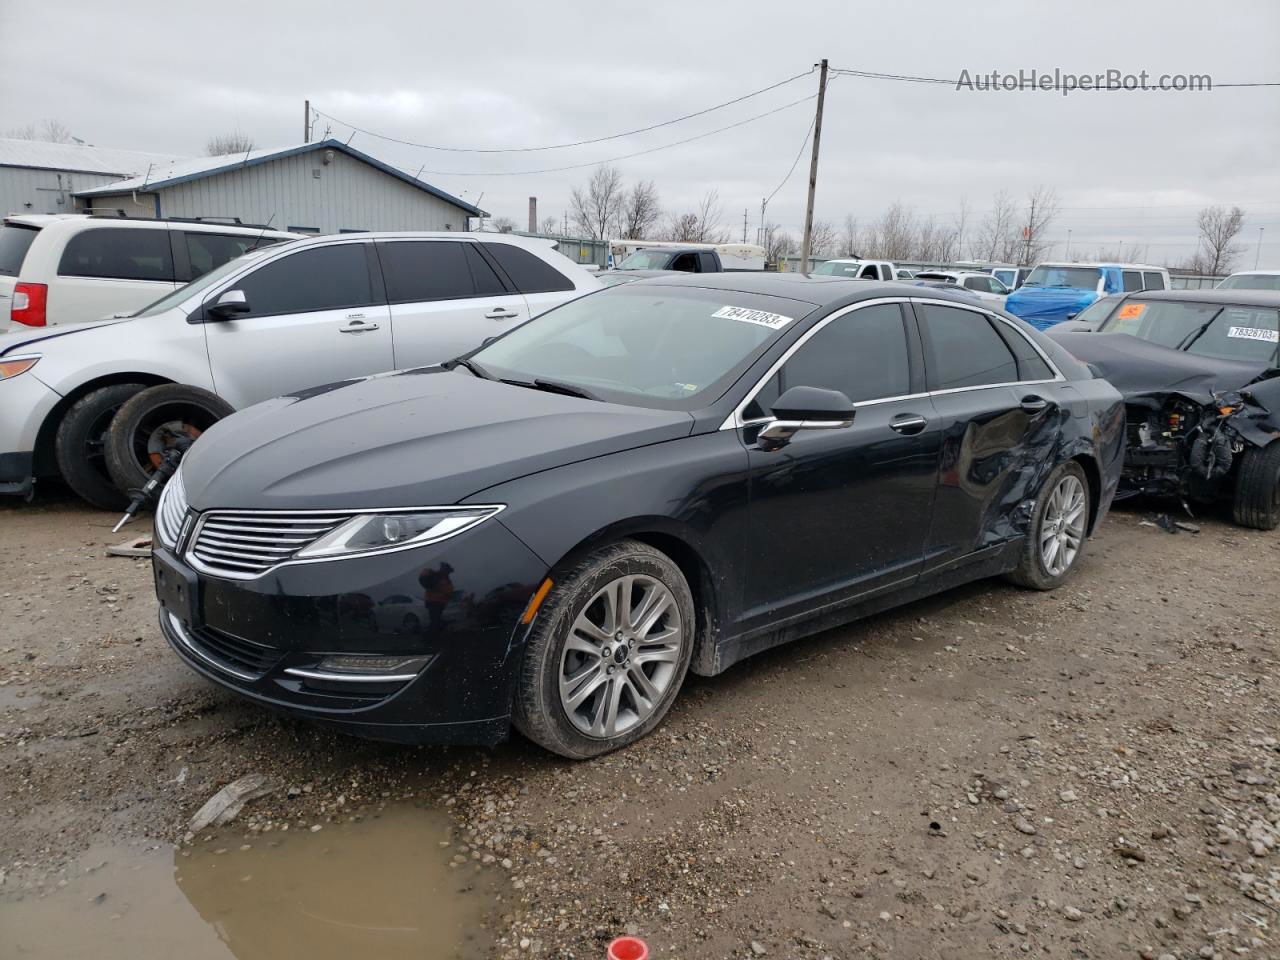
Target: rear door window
column 15, row 240
column 208, row 251
column 1153, row 281
column 1132, row 280
column 420, row 271
column 981, row 284
column 1031, row 366
column 863, row 354
column 323, row 278
column 965, row 351
column 115, row 253
column 527, row 272
column 708, row 262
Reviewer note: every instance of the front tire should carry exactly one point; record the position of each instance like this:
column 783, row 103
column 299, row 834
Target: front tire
column 80, row 445
column 1257, row 499
column 140, row 431
column 1059, row 530
column 607, row 653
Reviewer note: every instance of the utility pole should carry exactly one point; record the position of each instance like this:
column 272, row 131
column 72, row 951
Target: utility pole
column 1068, row 254
column 813, row 169
column 306, row 121
column 764, row 202
column 1258, row 254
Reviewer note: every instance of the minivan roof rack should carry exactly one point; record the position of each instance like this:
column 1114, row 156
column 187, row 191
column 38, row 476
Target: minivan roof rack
column 113, row 213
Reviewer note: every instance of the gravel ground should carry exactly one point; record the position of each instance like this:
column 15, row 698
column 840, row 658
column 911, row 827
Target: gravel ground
column 1088, row 773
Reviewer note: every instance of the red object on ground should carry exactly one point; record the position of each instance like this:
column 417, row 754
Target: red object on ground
column 628, row 948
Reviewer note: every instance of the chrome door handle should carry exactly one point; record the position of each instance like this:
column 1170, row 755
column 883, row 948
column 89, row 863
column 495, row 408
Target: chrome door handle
column 908, row 423
column 1033, row 404
column 357, row 326
column 501, row 313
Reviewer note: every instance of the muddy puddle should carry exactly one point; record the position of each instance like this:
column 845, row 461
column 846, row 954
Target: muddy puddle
column 381, row 887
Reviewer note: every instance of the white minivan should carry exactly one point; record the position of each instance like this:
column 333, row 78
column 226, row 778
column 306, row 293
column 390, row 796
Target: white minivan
column 68, row 268
column 100, row 403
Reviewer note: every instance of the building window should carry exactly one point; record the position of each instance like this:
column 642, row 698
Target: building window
column 303, row 229
column 353, row 230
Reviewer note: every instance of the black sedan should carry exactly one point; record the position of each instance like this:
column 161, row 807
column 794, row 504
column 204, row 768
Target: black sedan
column 664, row 476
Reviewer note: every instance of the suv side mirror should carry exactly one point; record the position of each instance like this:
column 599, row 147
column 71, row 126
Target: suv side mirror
column 228, row 306
column 806, row 408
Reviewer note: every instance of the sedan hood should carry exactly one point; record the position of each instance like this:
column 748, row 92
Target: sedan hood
column 20, row 339
column 1138, row 367
column 412, row 438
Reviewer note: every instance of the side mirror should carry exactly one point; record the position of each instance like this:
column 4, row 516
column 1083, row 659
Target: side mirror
column 1072, row 316
column 228, row 306
column 806, row 408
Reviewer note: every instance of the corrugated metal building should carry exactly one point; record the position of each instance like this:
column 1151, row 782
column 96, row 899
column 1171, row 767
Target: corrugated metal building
column 38, row 177
column 323, row 187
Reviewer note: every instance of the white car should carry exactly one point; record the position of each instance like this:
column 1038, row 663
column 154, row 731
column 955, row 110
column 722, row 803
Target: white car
column 1252, row 280
column 982, row 285
column 857, row 269
column 69, row 268
column 101, row 403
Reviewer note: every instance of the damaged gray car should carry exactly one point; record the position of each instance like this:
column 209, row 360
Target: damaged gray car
column 1200, row 374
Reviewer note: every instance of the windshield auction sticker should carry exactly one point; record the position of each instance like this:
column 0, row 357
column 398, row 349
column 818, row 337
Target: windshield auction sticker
column 763, row 318
column 1254, row 333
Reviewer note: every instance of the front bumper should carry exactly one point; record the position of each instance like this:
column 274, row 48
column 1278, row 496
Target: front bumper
column 264, row 639
column 25, row 402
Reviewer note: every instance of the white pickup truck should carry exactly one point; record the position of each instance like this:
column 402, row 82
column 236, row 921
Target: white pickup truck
column 860, row 269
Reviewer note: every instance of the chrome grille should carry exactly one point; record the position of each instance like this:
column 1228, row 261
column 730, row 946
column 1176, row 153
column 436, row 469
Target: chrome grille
column 171, row 511
column 245, row 545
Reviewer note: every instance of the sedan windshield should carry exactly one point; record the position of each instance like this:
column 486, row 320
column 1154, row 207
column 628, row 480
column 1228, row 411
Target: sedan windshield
column 1096, row 313
column 643, row 345
column 1204, row 329
column 646, row 260
column 1080, row 278
column 1251, row 281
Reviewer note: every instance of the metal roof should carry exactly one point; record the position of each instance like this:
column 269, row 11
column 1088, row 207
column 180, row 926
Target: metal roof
column 79, row 158
column 182, row 171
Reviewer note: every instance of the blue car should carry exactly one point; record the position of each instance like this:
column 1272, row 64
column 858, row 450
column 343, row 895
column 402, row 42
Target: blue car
column 1058, row 291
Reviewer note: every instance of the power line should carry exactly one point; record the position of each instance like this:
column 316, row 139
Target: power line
column 908, row 78
column 576, row 143
column 626, row 156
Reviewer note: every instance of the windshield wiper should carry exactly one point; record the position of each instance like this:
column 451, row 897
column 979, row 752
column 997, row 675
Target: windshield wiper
column 554, row 386
column 1186, row 342
column 470, row 365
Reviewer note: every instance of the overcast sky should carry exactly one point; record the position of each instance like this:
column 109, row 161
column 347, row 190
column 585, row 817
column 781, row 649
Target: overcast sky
column 1131, row 167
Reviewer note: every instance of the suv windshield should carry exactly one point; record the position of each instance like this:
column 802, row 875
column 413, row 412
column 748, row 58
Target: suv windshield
column 675, row 348
column 14, row 242
column 646, row 260
column 1205, row 329
column 1251, row 281
column 210, row 279
column 1081, row 278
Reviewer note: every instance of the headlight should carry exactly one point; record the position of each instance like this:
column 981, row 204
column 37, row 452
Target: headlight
column 395, row 530
column 16, row 365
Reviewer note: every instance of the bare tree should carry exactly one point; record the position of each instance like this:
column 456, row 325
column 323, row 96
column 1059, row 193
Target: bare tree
column 824, row 241
column 710, row 215
column 225, row 143
column 681, row 228
column 594, row 210
column 895, row 236
column 777, row 242
column 849, row 237
column 640, row 211
column 1218, row 251
column 961, row 224
column 1042, row 208
column 503, row 224
column 51, row 131
column 552, row 226
column 997, row 239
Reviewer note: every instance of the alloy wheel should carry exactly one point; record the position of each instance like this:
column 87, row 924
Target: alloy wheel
column 620, row 656
column 1062, row 527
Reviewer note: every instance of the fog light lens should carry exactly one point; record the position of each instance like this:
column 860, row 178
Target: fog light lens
column 366, row 666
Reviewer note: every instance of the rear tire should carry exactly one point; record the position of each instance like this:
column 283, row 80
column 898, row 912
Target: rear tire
column 1257, row 499
column 1059, row 530
column 568, row 658
column 80, row 445
column 133, row 442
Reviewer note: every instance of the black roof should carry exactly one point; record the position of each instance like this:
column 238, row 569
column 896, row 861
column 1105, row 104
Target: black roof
column 1244, row 298
column 821, row 291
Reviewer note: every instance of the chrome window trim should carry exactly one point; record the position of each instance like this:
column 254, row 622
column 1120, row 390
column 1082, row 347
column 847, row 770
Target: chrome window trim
column 736, row 420
column 197, row 564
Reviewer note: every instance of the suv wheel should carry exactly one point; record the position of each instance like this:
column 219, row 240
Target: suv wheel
column 144, row 427
column 607, row 653
column 80, row 445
